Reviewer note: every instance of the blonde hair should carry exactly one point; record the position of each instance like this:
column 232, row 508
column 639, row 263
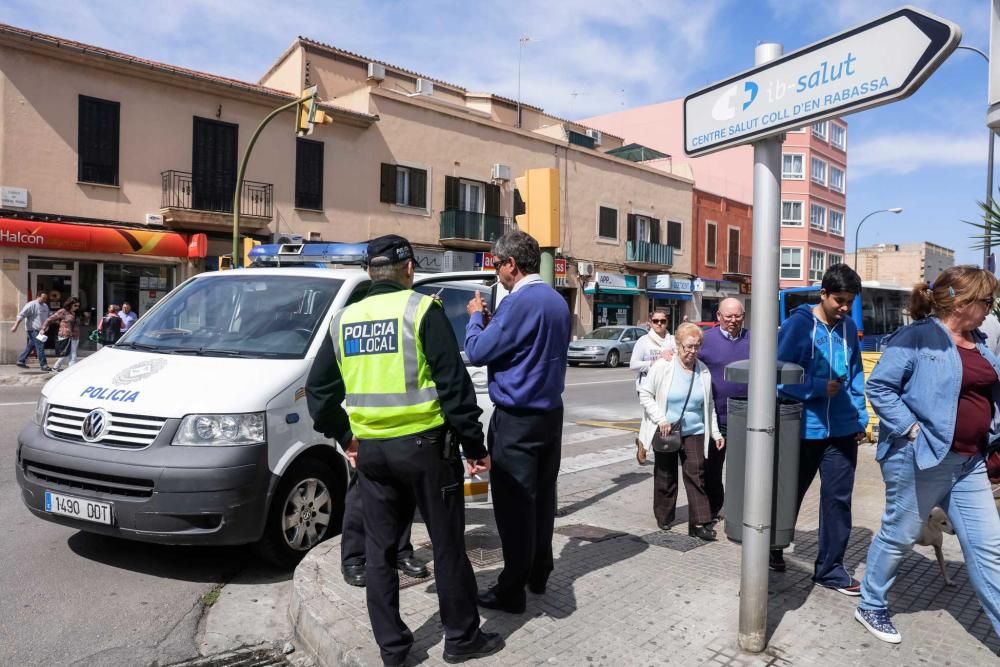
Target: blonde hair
column 689, row 329
column 956, row 286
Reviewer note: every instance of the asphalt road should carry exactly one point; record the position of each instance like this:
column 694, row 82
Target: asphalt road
column 70, row 597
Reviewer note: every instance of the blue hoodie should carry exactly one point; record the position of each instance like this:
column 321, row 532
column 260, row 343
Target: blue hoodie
column 825, row 354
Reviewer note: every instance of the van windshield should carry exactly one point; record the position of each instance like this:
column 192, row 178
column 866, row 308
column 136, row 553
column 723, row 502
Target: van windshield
column 239, row 316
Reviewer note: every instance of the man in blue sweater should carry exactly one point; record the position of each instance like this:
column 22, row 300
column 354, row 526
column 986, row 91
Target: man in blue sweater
column 723, row 345
column 523, row 346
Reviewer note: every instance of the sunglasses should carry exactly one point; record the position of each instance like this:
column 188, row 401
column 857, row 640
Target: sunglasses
column 498, row 263
column 658, row 321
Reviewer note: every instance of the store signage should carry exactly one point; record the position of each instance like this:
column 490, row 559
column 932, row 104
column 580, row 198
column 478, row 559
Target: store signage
column 484, row 261
column 560, row 272
column 882, row 61
column 699, row 285
column 626, row 281
column 13, row 197
column 665, row 282
column 94, row 238
column 430, row 260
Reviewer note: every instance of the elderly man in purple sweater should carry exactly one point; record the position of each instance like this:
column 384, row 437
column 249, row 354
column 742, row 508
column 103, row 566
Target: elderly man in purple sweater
column 723, row 345
column 523, row 346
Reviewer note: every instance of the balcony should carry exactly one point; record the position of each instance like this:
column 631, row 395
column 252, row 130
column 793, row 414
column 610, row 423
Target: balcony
column 738, row 266
column 207, row 204
column 472, row 231
column 648, row 256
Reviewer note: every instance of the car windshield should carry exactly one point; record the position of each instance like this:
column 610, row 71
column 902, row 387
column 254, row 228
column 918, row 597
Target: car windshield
column 606, row 333
column 249, row 315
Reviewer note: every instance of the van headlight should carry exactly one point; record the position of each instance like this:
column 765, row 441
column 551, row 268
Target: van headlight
column 224, row 430
column 40, row 409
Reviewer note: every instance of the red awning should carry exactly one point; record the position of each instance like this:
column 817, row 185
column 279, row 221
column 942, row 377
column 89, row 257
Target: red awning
column 99, row 238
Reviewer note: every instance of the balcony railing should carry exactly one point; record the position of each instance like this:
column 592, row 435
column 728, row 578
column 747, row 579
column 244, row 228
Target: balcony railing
column 738, row 265
column 643, row 252
column 179, row 190
column 471, row 226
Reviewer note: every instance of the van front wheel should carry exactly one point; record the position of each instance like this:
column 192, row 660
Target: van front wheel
column 307, row 509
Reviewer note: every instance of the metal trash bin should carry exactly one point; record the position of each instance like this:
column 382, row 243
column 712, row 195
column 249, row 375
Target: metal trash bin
column 786, row 457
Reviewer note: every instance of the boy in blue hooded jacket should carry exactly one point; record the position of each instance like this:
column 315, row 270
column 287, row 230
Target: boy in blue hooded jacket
column 823, row 339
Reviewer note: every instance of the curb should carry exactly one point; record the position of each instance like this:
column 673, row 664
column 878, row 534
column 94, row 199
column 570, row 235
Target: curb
column 25, row 379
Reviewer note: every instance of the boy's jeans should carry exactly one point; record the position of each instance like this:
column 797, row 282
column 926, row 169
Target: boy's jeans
column 959, row 486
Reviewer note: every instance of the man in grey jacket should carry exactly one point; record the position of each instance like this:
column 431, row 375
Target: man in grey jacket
column 34, row 313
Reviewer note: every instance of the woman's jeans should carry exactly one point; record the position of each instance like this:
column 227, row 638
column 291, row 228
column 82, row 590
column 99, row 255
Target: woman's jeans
column 960, row 487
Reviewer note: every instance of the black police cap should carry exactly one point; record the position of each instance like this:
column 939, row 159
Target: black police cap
column 390, row 248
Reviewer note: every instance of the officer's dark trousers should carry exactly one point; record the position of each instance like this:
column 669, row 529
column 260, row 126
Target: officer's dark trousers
column 525, row 448
column 395, row 475
column 352, row 540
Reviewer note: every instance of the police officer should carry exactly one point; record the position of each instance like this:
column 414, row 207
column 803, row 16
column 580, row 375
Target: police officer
column 400, row 374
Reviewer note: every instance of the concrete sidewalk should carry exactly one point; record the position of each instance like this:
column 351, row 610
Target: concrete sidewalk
column 625, row 593
column 15, row 376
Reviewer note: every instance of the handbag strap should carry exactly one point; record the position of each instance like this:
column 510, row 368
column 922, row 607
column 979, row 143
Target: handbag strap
column 680, row 420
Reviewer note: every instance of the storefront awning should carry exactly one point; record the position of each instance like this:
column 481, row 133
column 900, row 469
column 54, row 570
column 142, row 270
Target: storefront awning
column 676, row 296
column 100, row 238
column 629, row 291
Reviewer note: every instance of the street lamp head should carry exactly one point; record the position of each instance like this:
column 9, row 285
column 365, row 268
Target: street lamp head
column 895, row 210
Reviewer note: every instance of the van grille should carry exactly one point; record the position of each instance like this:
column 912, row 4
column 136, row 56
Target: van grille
column 55, row 476
column 126, row 431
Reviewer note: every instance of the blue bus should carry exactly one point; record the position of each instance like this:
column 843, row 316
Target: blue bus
column 880, row 310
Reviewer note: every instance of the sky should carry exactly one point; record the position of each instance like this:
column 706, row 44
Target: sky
column 926, row 154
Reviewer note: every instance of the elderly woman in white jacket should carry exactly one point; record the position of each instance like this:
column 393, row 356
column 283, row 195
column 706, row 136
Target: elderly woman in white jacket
column 655, row 345
column 662, row 395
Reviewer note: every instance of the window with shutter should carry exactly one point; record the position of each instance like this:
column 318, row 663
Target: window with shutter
column 674, row 234
column 309, row 174
column 403, row 186
column 97, row 141
column 519, row 208
column 607, row 223
column 418, row 188
column 387, row 187
column 654, row 230
column 711, row 243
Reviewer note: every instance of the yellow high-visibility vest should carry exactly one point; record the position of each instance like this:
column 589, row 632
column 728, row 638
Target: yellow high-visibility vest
column 390, row 391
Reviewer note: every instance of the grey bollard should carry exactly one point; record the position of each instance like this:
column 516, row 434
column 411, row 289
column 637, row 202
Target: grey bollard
column 786, row 464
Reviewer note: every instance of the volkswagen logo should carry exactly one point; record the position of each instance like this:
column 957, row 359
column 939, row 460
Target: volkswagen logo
column 95, row 425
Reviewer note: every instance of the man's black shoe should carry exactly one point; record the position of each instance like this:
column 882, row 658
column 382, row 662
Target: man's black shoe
column 486, row 644
column 412, row 567
column 354, row 575
column 776, row 560
column 490, row 600
column 537, row 589
column 21, row 364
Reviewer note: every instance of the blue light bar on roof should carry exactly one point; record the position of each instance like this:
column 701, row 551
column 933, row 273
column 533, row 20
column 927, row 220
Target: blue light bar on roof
column 308, row 254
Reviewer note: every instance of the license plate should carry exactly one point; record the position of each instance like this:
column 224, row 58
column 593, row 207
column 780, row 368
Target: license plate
column 78, row 508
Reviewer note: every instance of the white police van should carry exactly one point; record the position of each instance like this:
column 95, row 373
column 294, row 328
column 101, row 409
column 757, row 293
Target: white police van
column 194, row 428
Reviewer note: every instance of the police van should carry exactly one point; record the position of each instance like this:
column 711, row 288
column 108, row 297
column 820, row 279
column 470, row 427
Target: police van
column 194, row 428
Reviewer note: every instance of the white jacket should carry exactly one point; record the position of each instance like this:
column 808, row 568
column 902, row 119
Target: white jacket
column 646, row 351
column 653, row 397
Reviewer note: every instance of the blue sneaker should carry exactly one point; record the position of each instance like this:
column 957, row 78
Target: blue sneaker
column 878, row 623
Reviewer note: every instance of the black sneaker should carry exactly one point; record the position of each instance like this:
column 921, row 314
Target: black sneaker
column 776, row 561
column 486, row 644
column 853, row 589
column 21, row 364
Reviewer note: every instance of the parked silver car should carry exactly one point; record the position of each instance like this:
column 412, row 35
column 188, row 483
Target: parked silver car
column 605, row 345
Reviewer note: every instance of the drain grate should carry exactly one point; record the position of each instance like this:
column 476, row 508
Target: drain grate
column 405, row 581
column 584, row 531
column 483, row 547
column 244, row 657
column 669, row 540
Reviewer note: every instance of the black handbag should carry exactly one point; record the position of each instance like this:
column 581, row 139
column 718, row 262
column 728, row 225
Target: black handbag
column 63, row 347
column 671, row 442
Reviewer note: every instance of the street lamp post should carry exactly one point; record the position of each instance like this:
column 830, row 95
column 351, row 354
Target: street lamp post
column 520, row 48
column 989, row 172
column 858, row 229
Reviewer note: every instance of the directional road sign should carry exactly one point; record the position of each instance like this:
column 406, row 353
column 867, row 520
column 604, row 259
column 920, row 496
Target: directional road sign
column 876, row 63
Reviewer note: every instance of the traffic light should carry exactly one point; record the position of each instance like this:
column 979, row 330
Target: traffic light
column 539, row 188
column 309, row 114
column 225, row 262
column 248, row 245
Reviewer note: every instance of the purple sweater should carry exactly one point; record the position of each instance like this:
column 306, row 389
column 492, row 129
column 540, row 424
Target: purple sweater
column 717, row 352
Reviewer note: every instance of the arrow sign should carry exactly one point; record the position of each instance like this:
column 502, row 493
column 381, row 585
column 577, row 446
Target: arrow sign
column 876, row 63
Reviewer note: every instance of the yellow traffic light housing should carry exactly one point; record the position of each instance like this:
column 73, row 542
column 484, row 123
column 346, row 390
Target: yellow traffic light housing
column 225, row 262
column 309, row 114
column 248, row 245
column 539, row 189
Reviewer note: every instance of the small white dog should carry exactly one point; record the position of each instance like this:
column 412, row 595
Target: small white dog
column 932, row 535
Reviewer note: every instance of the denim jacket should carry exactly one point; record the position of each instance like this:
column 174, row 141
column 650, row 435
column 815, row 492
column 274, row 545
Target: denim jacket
column 918, row 380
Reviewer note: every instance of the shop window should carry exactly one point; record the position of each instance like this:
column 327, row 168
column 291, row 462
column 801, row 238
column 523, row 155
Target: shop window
column 309, row 174
column 141, row 286
column 97, row 141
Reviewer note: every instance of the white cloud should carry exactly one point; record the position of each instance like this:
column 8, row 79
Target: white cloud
column 906, row 153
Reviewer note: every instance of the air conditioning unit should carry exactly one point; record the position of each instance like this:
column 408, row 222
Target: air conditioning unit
column 585, row 269
column 285, row 237
column 154, row 219
column 501, row 172
column 425, row 87
column 376, row 71
column 595, row 135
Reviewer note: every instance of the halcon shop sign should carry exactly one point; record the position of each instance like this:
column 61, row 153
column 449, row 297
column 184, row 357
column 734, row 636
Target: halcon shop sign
column 94, row 238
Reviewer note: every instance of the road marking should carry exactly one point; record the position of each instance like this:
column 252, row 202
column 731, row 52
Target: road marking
column 584, row 384
column 620, row 425
column 4, row 405
column 599, row 459
column 587, row 436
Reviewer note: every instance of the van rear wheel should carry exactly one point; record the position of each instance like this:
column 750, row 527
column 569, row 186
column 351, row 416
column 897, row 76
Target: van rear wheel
column 307, row 508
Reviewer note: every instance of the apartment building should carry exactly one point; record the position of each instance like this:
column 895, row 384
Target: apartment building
column 904, row 265
column 132, row 174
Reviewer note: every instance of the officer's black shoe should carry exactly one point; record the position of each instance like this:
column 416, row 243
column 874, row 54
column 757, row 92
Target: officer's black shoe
column 490, row 600
column 412, row 567
column 537, row 588
column 486, row 644
column 354, row 575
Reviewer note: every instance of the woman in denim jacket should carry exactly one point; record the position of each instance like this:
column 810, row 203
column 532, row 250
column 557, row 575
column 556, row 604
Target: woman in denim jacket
column 935, row 391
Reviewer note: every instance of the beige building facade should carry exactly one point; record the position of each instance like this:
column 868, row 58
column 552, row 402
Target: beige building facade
column 903, row 265
column 98, row 146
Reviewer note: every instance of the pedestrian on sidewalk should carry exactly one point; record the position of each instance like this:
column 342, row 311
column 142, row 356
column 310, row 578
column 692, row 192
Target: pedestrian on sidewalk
column 127, row 315
column 68, row 339
column 935, row 391
column 524, row 348
column 655, row 345
column 34, row 313
column 110, row 326
column 401, row 376
column 676, row 396
column 823, row 339
column 723, row 345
